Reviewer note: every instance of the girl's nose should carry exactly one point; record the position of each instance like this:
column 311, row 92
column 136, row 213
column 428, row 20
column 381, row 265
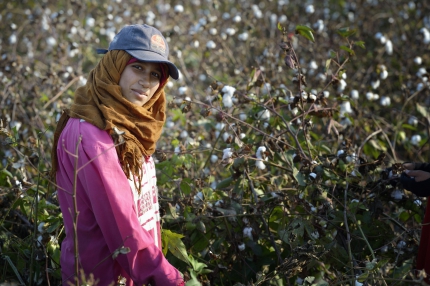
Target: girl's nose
column 143, row 82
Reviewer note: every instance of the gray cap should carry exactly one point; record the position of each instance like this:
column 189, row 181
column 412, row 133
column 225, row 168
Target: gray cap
column 145, row 43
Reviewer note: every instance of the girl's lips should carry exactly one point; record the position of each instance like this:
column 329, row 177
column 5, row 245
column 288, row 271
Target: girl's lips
column 139, row 93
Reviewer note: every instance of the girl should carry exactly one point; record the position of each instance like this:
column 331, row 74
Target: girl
column 416, row 179
column 102, row 152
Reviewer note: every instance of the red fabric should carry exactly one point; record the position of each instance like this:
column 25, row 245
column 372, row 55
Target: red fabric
column 423, row 257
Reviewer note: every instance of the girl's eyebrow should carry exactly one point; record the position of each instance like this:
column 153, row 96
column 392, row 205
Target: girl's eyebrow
column 157, row 67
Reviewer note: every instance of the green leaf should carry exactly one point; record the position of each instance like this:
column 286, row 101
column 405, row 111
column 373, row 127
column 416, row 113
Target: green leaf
column 345, row 48
column 224, row 184
column 418, row 218
column 360, row 44
column 404, row 216
column 198, row 267
column 363, row 277
column 327, row 64
column 193, row 281
column 172, row 242
column 306, row 32
column 279, row 26
column 346, row 32
column 299, row 177
column 422, row 110
column 185, row 186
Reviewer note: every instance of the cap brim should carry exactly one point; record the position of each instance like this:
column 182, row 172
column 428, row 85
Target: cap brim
column 148, row 56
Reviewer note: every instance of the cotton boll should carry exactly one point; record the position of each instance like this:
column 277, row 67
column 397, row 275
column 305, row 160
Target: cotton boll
column 51, row 41
column 184, row 134
column 389, row 47
column 241, row 246
column 265, row 88
column 211, row 45
column 421, row 72
column 227, row 153
column 243, row 116
column 413, row 121
column 426, row 35
column 340, row 152
column 247, row 232
column 354, row 94
column 401, row 244
column 375, row 83
column 383, row 74
column 219, row 126
column 259, row 152
column 385, row 101
column 82, row 81
column 226, row 136
column 345, row 107
column 397, row 194
column 182, row 90
column 315, row 234
column 242, row 135
column 40, row 227
column 319, row 26
column 378, row 35
column 198, row 198
column 282, row 19
column 263, row 115
column 230, row 31
column 227, row 89
column 310, row 9
column 260, row 165
column 416, row 139
column 294, row 111
column 225, row 16
column 213, row 31
column 342, row 85
column 420, row 86
column 237, row 19
column 243, row 37
column 313, row 65
column 178, row 8
column 214, row 158
column 227, row 100
column 345, row 122
column 90, row 22
column 312, row 97
column 177, row 150
column 326, row 93
column 170, row 124
column 418, row 60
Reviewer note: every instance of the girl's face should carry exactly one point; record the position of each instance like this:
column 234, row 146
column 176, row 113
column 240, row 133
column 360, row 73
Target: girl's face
column 139, row 81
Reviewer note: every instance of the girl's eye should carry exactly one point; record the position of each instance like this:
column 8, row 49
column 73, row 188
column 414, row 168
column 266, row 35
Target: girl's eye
column 137, row 67
column 156, row 74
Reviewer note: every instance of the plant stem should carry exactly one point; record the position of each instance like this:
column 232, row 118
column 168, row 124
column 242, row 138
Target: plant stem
column 348, row 235
column 76, row 212
column 36, row 211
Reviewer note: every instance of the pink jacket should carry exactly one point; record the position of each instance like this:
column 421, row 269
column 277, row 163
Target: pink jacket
column 111, row 213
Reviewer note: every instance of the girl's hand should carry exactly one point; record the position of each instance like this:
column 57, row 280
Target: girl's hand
column 409, row 166
column 417, row 182
column 418, row 175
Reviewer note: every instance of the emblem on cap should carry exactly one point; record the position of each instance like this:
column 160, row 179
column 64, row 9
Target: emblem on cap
column 158, row 44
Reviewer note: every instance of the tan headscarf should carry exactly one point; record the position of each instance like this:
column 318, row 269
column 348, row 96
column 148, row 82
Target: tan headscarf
column 101, row 103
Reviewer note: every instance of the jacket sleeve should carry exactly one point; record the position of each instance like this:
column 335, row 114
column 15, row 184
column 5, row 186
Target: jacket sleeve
column 422, row 167
column 113, row 206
